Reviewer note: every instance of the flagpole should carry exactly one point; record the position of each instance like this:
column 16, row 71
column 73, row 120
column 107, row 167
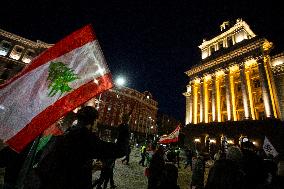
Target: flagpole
column 27, row 164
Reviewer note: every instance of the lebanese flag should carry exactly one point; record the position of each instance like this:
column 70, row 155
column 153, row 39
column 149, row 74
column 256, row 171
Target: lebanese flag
column 27, row 107
column 173, row 137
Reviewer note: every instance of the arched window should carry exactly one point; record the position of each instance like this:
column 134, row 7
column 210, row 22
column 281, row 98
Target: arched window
column 5, row 47
column 17, row 52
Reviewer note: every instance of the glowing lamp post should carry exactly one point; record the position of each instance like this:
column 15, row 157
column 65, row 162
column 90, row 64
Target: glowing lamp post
column 120, row 81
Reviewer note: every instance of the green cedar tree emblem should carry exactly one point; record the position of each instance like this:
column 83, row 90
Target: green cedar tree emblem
column 59, row 76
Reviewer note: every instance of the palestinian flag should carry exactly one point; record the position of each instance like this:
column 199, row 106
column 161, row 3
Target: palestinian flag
column 57, row 81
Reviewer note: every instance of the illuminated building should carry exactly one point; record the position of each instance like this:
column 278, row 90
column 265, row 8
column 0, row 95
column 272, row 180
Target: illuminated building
column 119, row 100
column 237, row 79
column 16, row 52
column 237, row 83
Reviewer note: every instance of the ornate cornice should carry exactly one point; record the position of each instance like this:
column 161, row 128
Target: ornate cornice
column 277, row 56
column 37, row 44
column 136, row 96
column 226, row 57
column 278, row 69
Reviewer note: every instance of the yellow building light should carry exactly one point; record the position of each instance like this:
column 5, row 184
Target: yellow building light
column 197, row 140
column 250, row 63
column 230, row 141
column 234, row 68
column 219, row 73
column 207, row 77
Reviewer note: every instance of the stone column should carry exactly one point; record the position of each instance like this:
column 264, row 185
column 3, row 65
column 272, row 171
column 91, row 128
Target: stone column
column 218, row 99
column 244, row 93
column 228, row 96
column 251, row 103
column 188, row 114
column 232, row 88
column 213, row 101
column 206, row 100
column 195, row 102
column 201, row 99
column 265, row 90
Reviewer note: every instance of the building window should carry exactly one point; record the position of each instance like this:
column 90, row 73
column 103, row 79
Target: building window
column 4, row 48
column 221, row 45
column 212, row 49
column 230, row 41
column 28, row 56
column 17, row 52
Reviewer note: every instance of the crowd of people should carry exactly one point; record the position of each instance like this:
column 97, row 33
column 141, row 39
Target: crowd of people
column 69, row 159
column 237, row 167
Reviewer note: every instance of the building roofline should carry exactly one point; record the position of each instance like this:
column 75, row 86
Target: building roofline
column 152, row 101
column 240, row 24
column 37, row 44
column 249, row 45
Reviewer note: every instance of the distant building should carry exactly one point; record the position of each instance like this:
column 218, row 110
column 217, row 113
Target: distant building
column 119, row 100
column 16, row 52
column 237, row 83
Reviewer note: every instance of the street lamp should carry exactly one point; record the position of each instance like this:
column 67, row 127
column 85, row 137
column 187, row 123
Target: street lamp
column 147, row 126
column 120, row 81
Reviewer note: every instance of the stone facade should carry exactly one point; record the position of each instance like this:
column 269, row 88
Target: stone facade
column 119, row 100
column 278, row 73
column 16, row 52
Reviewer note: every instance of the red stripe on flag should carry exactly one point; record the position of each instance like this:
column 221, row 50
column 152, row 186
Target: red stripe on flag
column 52, row 130
column 67, row 44
column 166, row 141
column 57, row 110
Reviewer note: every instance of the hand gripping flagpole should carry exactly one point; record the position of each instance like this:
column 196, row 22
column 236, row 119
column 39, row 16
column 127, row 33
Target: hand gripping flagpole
column 27, row 164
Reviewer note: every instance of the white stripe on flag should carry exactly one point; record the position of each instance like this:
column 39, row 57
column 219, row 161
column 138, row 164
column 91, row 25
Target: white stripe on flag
column 19, row 109
column 268, row 148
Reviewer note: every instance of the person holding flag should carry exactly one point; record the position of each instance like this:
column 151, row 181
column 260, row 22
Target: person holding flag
column 70, row 164
column 56, row 82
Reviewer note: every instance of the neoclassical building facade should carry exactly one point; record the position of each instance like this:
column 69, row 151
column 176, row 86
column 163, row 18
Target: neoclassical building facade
column 119, row 100
column 16, row 52
column 237, row 78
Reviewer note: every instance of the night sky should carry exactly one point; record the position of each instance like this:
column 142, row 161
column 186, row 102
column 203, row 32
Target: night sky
column 150, row 42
